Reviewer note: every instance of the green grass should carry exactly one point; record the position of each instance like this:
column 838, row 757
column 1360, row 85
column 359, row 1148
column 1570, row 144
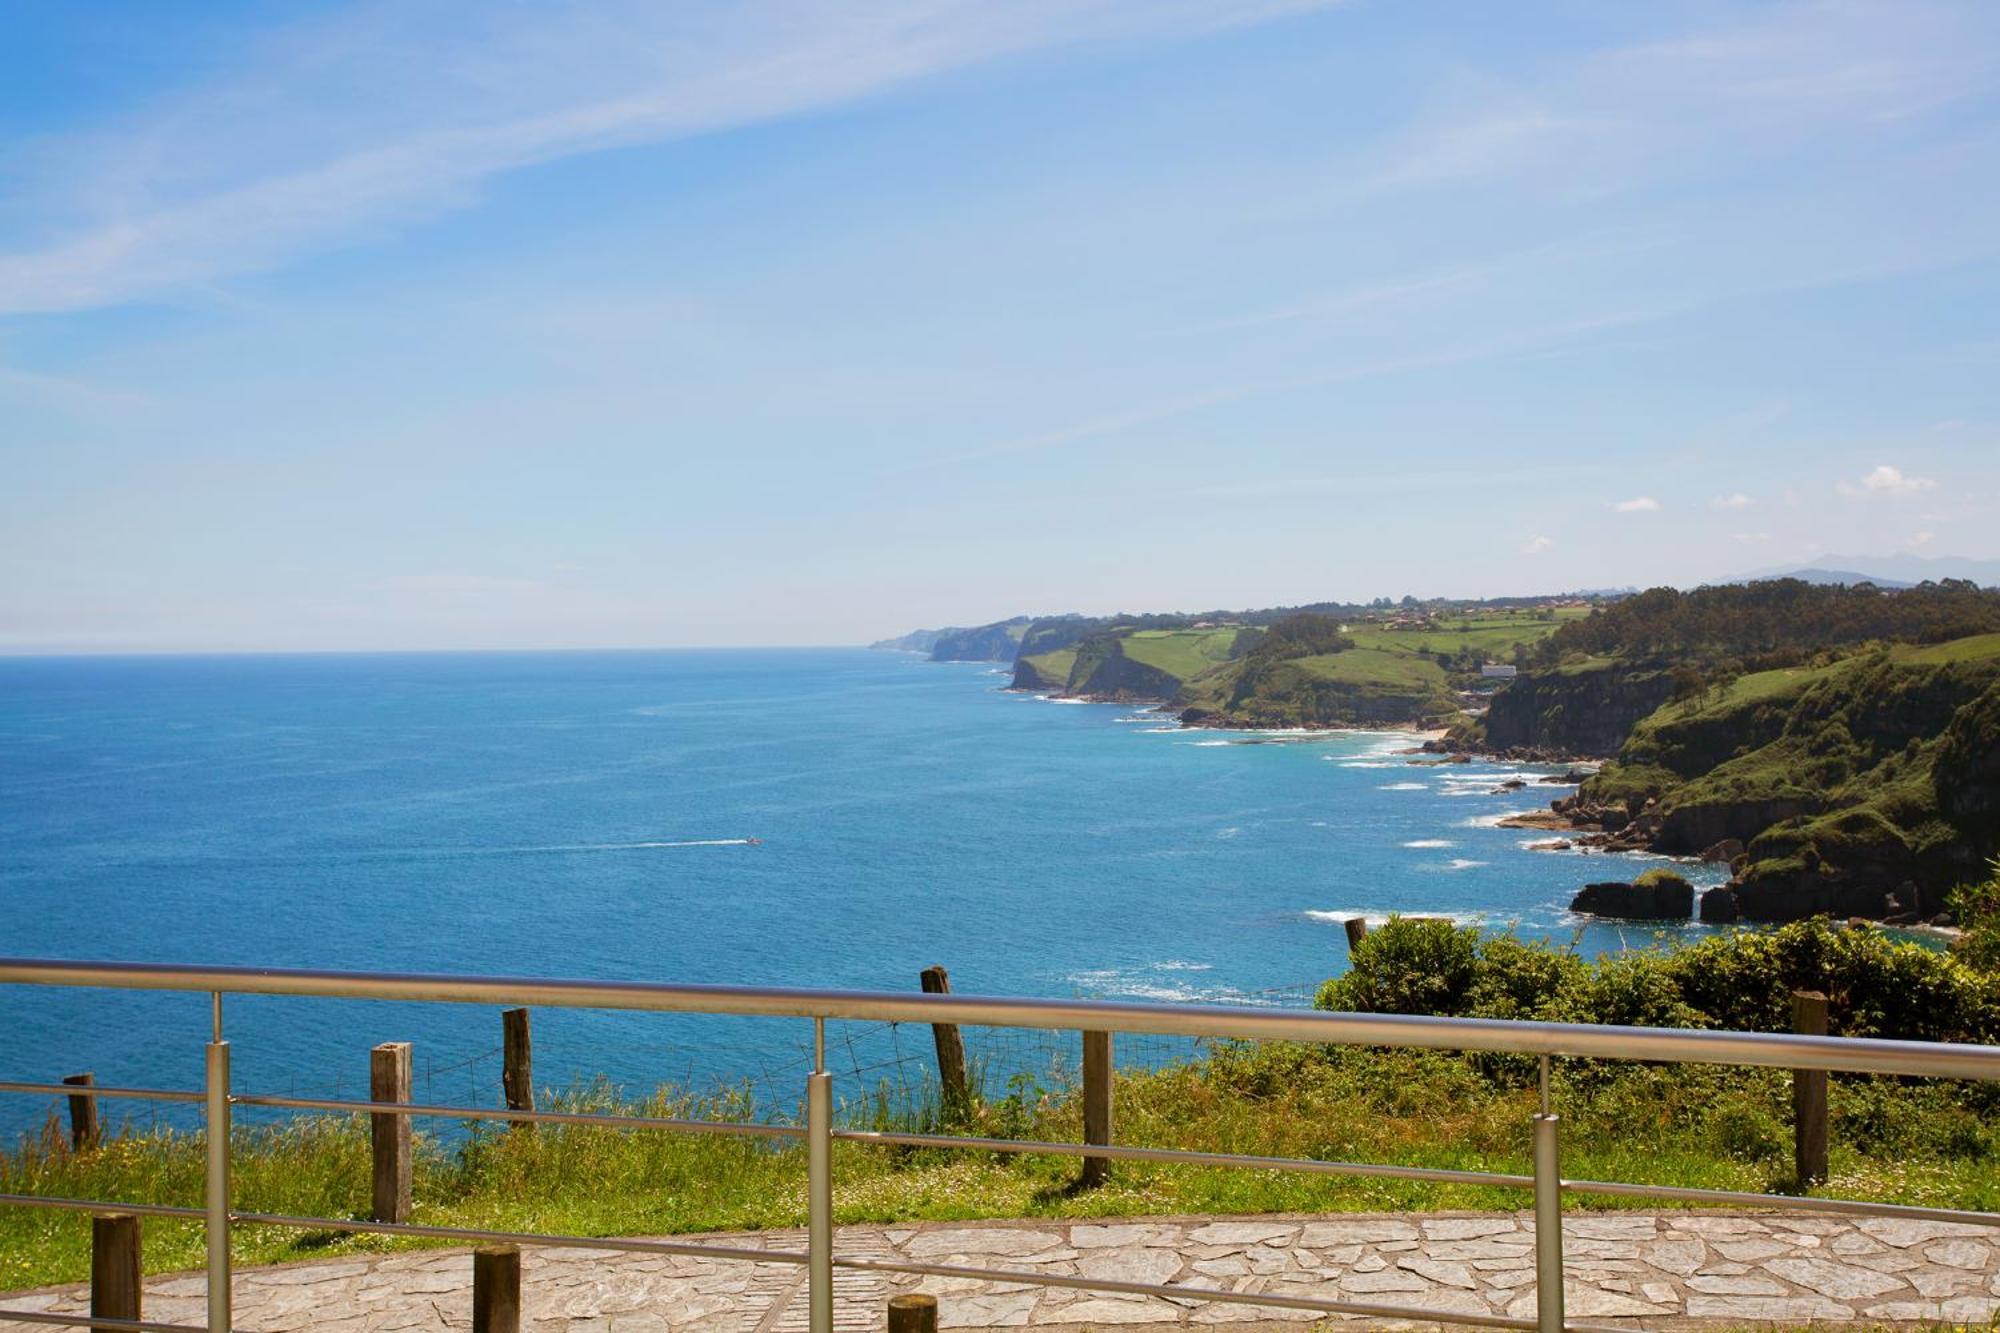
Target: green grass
column 1054, row 666
column 1977, row 648
column 1373, row 666
column 1720, row 1128
column 1181, row 653
column 1494, row 635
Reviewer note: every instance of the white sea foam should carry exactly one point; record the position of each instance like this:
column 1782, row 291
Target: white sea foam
column 1460, row 863
column 1144, row 983
column 1338, row 915
column 1403, row 786
column 1431, row 842
column 1493, row 820
column 1228, row 832
column 564, row 848
column 1208, row 745
column 1367, row 763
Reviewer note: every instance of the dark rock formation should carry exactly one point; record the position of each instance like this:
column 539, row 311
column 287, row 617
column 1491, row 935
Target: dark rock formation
column 1718, row 906
column 1724, row 852
column 1659, row 895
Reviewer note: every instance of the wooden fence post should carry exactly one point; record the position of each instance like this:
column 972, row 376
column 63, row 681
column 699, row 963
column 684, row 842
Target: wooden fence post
column 1357, row 931
column 83, row 1131
column 1809, row 1145
column 389, row 1081
column 115, row 1267
column 913, row 1312
column 1096, row 1104
column 496, row 1289
column 950, row 1051
column 517, row 1077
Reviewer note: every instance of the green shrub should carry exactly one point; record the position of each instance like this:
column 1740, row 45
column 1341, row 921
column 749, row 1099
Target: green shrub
column 1879, row 986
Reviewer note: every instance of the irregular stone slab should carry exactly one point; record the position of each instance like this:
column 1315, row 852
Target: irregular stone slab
column 1588, row 1302
column 1150, row 1265
column 1487, row 1248
column 1902, row 1232
column 1450, row 1274
column 1389, row 1279
column 1101, row 1309
column 1750, row 1251
column 1790, row 1309
column 979, row 1240
column 1008, row 1311
column 1722, row 1226
column 1834, row 1279
column 1963, row 1310
column 1937, row 1284
column 1750, row 1284
column 1971, row 1254
column 1612, row 1228
column 1466, row 1228
column 1359, row 1230
column 1682, row 1257
column 1090, row 1236
column 1450, row 1301
column 1243, row 1233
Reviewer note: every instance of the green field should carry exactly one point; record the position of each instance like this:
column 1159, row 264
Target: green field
column 1373, row 666
column 1054, row 667
column 1495, row 635
column 1978, row 648
column 1181, row 653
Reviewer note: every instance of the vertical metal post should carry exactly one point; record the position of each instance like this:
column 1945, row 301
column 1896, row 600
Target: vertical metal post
column 1548, row 1226
column 217, row 1197
column 819, row 1187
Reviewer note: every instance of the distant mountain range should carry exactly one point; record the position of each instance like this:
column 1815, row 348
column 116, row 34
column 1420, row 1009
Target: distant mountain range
column 1886, row 571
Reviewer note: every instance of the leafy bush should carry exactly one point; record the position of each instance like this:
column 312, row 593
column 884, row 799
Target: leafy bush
column 1878, row 986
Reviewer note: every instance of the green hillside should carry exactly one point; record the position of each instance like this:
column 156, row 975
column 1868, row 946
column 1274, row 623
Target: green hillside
column 1181, row 653
column 1850, row 782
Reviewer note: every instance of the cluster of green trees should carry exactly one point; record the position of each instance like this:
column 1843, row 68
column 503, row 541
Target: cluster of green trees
column 1307, row 634
column 1781, row 622
column 1877, row 985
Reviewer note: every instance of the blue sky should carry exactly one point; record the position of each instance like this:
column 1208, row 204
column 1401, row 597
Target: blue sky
column 410, row 325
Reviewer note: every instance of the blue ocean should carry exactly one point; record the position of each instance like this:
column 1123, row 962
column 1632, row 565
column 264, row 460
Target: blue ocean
column 811, row 817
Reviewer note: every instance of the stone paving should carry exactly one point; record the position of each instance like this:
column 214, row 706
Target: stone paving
column 1646, row 1270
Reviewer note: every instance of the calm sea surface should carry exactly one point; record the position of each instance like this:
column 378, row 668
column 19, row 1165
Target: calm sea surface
column 586, row 814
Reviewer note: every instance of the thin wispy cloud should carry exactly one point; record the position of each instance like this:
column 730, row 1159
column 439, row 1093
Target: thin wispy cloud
column 1734, row 500
column 281, row 160
column 1638, row 504
column 1538, row 545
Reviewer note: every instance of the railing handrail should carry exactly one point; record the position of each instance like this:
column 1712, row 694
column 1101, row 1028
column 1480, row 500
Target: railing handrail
column 1860, row 1055
column 1545, row 1040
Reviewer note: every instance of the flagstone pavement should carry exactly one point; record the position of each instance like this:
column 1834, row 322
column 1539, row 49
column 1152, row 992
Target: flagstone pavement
column 1643, row 1270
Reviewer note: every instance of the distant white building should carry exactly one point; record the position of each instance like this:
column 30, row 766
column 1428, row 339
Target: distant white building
column 1495, row 671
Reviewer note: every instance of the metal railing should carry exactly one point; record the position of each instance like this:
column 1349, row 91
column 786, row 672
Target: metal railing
column 1546, row 1184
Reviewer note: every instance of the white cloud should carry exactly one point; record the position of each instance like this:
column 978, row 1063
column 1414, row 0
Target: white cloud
column 344, row 129
column 1918, row 540
column 1886, row 480
column 1537, row 545
column 1736, row 500
column 1752, row 538
column 1640, row 504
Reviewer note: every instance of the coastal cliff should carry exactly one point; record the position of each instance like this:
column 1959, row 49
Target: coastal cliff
column 1584, row 712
